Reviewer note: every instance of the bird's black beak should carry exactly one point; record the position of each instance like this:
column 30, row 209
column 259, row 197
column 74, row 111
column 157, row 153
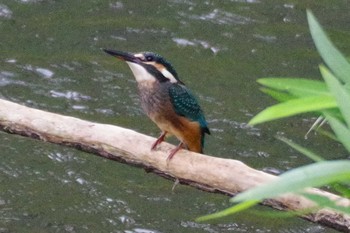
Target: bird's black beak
column 125, row 56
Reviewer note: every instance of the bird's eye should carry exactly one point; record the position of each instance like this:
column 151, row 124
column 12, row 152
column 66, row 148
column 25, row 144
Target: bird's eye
column 149, row 58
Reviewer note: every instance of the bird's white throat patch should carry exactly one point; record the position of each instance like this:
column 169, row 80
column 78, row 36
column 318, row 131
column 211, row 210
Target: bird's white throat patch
column 140, row 73
column 168, row 75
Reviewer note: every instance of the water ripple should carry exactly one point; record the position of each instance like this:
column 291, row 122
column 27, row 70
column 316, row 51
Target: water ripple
column 141, row 230
column 5, row 12
column 238, row 125
column 43, row 72
column 46, row 73
column 116, row 5
column 70, row 95
column 30, row 1
column 6, row 78
column 221, row 17
column 196, row 42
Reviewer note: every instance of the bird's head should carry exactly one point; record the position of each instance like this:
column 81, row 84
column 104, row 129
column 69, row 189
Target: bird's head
column 147, row 66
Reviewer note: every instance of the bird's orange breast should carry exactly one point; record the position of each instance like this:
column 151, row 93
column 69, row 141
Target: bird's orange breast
column 189, row 132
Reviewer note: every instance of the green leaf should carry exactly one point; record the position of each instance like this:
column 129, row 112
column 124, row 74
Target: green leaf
column 340, row 130
column 232, row 210
column 298, row 179
column 325, row 202
column 293, row 107
column 343, row 188
column 328, row 134
column 334, row 112
column 313, row 175
column 340, row 93
column 296, row 86
column 304, row 151
column 278, row 95
column 330, row 54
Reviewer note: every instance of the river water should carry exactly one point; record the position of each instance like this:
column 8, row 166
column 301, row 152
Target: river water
column 51, row 59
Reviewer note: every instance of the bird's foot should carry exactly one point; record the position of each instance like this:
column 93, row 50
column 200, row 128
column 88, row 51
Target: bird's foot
column 158, row 141
column 173, row 151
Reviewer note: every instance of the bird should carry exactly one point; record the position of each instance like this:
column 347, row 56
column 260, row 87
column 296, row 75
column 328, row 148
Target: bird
column 166, row 100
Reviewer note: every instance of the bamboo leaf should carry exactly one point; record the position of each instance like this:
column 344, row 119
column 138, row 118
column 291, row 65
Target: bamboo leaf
column 330, row 54
column 278, row 95
column 304, row 151
column 340, row 130
column 324, row 202
column 293, row 107
column 232, row 210
column 296, row 86
column 341, row 94
column 313, row 175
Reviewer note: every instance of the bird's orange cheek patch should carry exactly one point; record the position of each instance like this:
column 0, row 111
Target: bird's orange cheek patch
column 159, row 67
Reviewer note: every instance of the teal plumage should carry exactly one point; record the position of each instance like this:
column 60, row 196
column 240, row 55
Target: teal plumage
column 185, row 104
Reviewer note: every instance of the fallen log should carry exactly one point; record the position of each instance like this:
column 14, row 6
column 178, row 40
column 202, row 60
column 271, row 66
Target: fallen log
column 205, row 172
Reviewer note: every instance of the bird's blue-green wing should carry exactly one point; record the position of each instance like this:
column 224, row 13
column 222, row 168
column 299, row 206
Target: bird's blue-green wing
column 185, row 104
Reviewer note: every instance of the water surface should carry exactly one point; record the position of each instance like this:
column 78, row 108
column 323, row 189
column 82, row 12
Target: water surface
column 51, row 59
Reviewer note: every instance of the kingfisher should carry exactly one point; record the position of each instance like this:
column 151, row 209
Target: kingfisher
column 166, row 100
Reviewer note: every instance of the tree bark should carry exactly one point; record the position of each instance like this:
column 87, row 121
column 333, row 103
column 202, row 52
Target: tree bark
column 205, row 172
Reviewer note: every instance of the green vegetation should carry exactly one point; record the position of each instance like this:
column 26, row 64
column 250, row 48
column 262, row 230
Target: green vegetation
column 330, row 99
